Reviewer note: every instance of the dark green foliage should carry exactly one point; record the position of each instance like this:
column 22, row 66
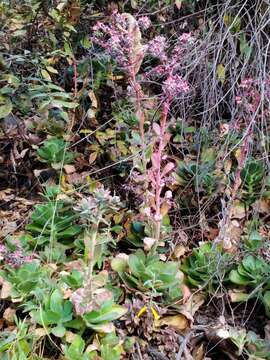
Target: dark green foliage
column 28, row 278
column 148, row 274
column 254, row 273
column 252, row 179
column 55, row 313
column 55, row 152
column 207, row 267
column 53, row 221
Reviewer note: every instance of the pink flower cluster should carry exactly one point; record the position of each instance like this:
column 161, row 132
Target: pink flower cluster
column 157, row 48
column 14, row 258
column 175, row 85
column 249, row 96
column 114, row 39
column 144, row 22
column 120, row 37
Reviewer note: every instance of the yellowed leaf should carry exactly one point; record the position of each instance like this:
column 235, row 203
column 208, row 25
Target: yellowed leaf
column 94, row 102
column 45, row 75
column 92, row 157
column 179, row 251
column 51, row 69
column 192, row 305
column 221, row 73
column 40, row 332
column 69, row 169
column 8, row 315
column 70, row 336
column 178, row 322
column 6, row 290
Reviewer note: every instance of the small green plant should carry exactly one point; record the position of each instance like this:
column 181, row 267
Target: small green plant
column 54, row 314
column 54, row 220
column 109, row 349
column 148, row 274
column 254, row 273
column 95, row 212
column 252, row 177
column 74, row 280
column 77, row 351
column 17, row 344
column 50, row 96
column 249, row 344
column 101, row 318
column 200, row 176
column 27, row 278
column 54, row 152
column 207, row 266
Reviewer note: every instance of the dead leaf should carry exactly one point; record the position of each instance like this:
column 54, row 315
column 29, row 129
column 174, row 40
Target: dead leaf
column 198, row 353
column 262, row 206
column 69, row 336
column 178, row 322
column 69, row 169
column 6, row 290
column 40, row 332
column 8, row 316
column 238, row 210
column 267, row 331
column 92, row 157
column 148, row 243
column 179, row 251
column 192, row 305
column 238, row 296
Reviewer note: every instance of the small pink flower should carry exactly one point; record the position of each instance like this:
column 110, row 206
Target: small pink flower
column 186, row 38
column 157, row 47
column 175, row 85
column 144, row 22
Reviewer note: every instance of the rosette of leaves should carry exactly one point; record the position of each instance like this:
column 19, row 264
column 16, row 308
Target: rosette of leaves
column 28, row 279
column 53, row 220
column 252, row 180
column 148, row 274
column 54, row 152
column 207, row 266
column 200, row 177
column 54, row 314
column 254, row 273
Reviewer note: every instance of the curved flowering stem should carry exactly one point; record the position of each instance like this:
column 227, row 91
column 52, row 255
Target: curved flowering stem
column 121, row 39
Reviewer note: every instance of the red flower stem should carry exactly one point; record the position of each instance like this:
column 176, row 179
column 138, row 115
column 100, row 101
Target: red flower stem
column 161, row 146
column 139, row 112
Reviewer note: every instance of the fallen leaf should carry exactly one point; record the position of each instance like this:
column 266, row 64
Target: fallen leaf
column 8, row 316
column 238, row 210
column 178, row 322
column 69, row 169
column 40, row 332
column 70, row 336
column 148, row 243
column 6, row 290
column 238, row 296
column 192, row 305
column 198, row 353
column 179, row 251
